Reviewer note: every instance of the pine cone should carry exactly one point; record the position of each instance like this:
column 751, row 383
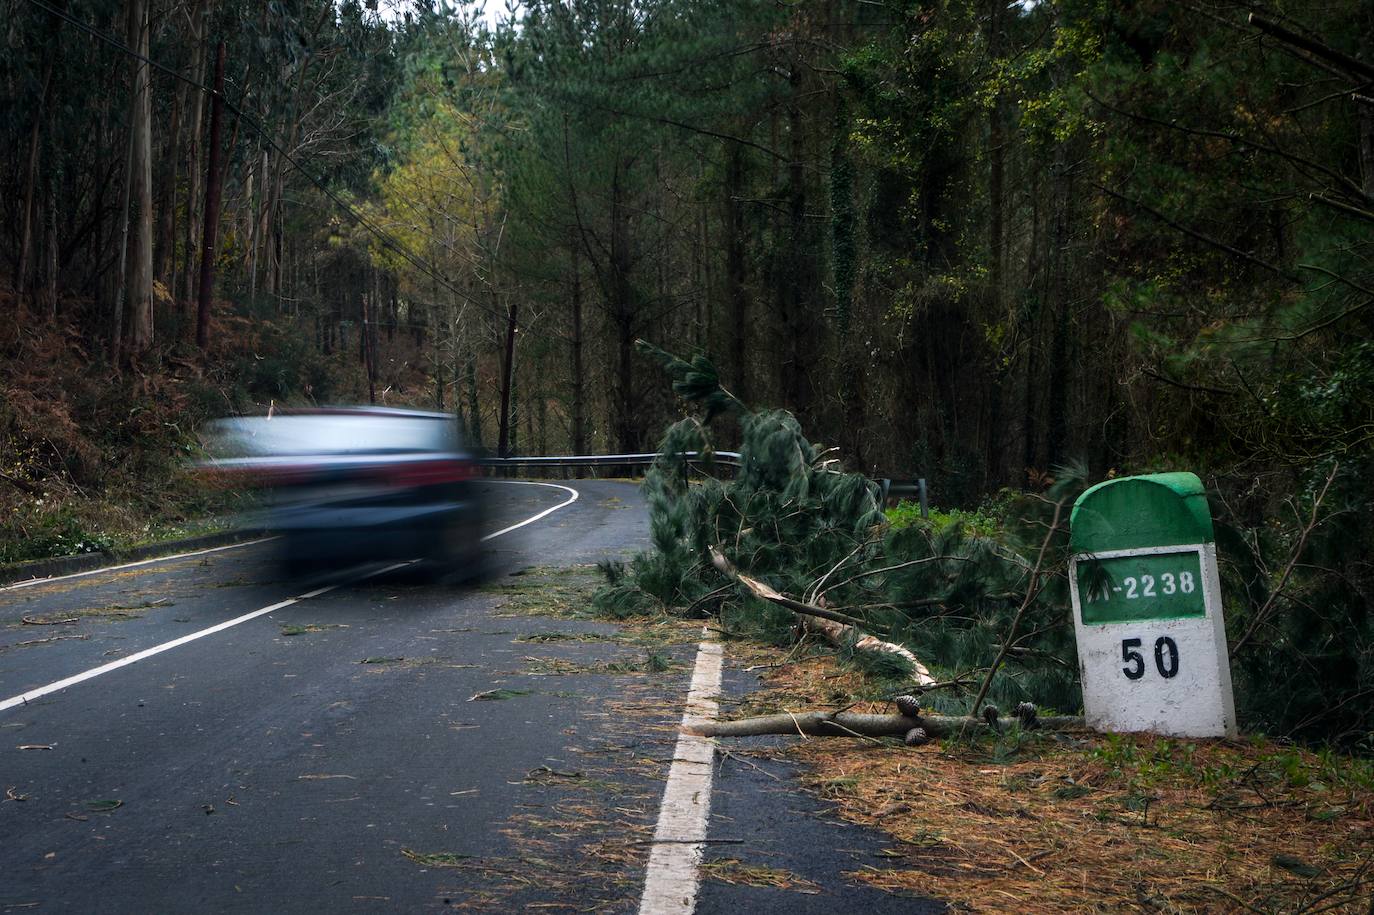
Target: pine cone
column 991, row 716
column 916, row 737
column 909, row 706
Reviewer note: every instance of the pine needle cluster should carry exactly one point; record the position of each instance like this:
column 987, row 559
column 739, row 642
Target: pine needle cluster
column 790, row 516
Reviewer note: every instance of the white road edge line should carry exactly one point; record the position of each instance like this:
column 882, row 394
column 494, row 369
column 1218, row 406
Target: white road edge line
column 234, row 546
column 545, row 513
column 31, row 695
column 671, row 880
column 129, row 565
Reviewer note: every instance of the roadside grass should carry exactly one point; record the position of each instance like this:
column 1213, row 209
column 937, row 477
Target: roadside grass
column 1041, row 822
column 77, row 524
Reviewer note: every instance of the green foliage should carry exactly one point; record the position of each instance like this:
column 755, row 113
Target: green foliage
column 1298, row 615
column 33, row 533
column 793, row 519
column 696, row 380
column 908, row 514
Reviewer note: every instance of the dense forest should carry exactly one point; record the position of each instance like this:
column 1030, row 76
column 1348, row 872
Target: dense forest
column 965, row 240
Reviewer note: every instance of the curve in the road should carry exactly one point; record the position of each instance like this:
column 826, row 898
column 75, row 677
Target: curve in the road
column 544, row 514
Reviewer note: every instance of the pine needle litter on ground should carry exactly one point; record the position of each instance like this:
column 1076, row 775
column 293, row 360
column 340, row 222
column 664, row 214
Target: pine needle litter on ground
column 739, row 873
column 1035, row 822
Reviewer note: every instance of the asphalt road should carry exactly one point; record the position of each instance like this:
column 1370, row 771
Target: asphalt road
column 328, row 755
column 321, row 756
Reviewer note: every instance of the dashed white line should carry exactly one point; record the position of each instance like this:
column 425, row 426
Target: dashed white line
column 41, row 691
column 670, row 883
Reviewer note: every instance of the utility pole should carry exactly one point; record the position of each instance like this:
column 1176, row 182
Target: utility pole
column 212, row 192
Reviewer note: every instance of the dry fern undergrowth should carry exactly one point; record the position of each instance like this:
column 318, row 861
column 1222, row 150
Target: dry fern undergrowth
column 1034, row 822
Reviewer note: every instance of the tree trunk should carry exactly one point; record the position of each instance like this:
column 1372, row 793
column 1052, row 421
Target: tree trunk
column 579, row 422
column 507, row 374
column 623, row 317
column 27, row 216
column 95, row 276
column 736, row 280
column 193, row 148
column 164, row 248
column 1056, row 439
column 369, row 356
column 996, row 165
column 794, row 286
column 117, row 316
column 359, row 283
column 139, row 280
column 48, row 274
column 474, row 408
column 1366, row 126
column 272, row 214
column 211, row 217
column 394, row 309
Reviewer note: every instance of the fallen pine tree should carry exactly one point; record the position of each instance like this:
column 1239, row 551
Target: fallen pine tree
column 789, row 544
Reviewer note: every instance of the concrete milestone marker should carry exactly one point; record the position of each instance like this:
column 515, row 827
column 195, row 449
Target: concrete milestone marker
column 1147, row 608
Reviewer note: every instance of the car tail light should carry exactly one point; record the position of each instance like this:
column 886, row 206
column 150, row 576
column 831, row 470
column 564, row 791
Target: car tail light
column 426, row 473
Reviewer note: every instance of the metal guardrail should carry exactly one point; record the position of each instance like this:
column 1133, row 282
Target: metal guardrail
column 888, row 488
column 892, row 490
column 730, row 458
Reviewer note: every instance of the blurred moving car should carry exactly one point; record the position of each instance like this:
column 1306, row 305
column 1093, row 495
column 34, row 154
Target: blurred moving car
column 351, row 484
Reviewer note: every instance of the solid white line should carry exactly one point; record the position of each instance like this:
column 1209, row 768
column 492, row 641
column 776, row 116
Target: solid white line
column 234, row 546
column 545, row 513
column 41, row 691
column 670, row 883
column 129, row 565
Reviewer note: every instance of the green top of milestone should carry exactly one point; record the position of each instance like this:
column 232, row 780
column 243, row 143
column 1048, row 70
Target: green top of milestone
column 1159, row 509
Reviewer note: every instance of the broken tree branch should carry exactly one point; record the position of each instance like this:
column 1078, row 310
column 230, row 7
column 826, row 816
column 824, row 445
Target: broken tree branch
column 1032, row 590
column 849, row 724
column 762, row 590
column 1262, row 615
column 22, row 485
column 836, row 627
column 1312, row 46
